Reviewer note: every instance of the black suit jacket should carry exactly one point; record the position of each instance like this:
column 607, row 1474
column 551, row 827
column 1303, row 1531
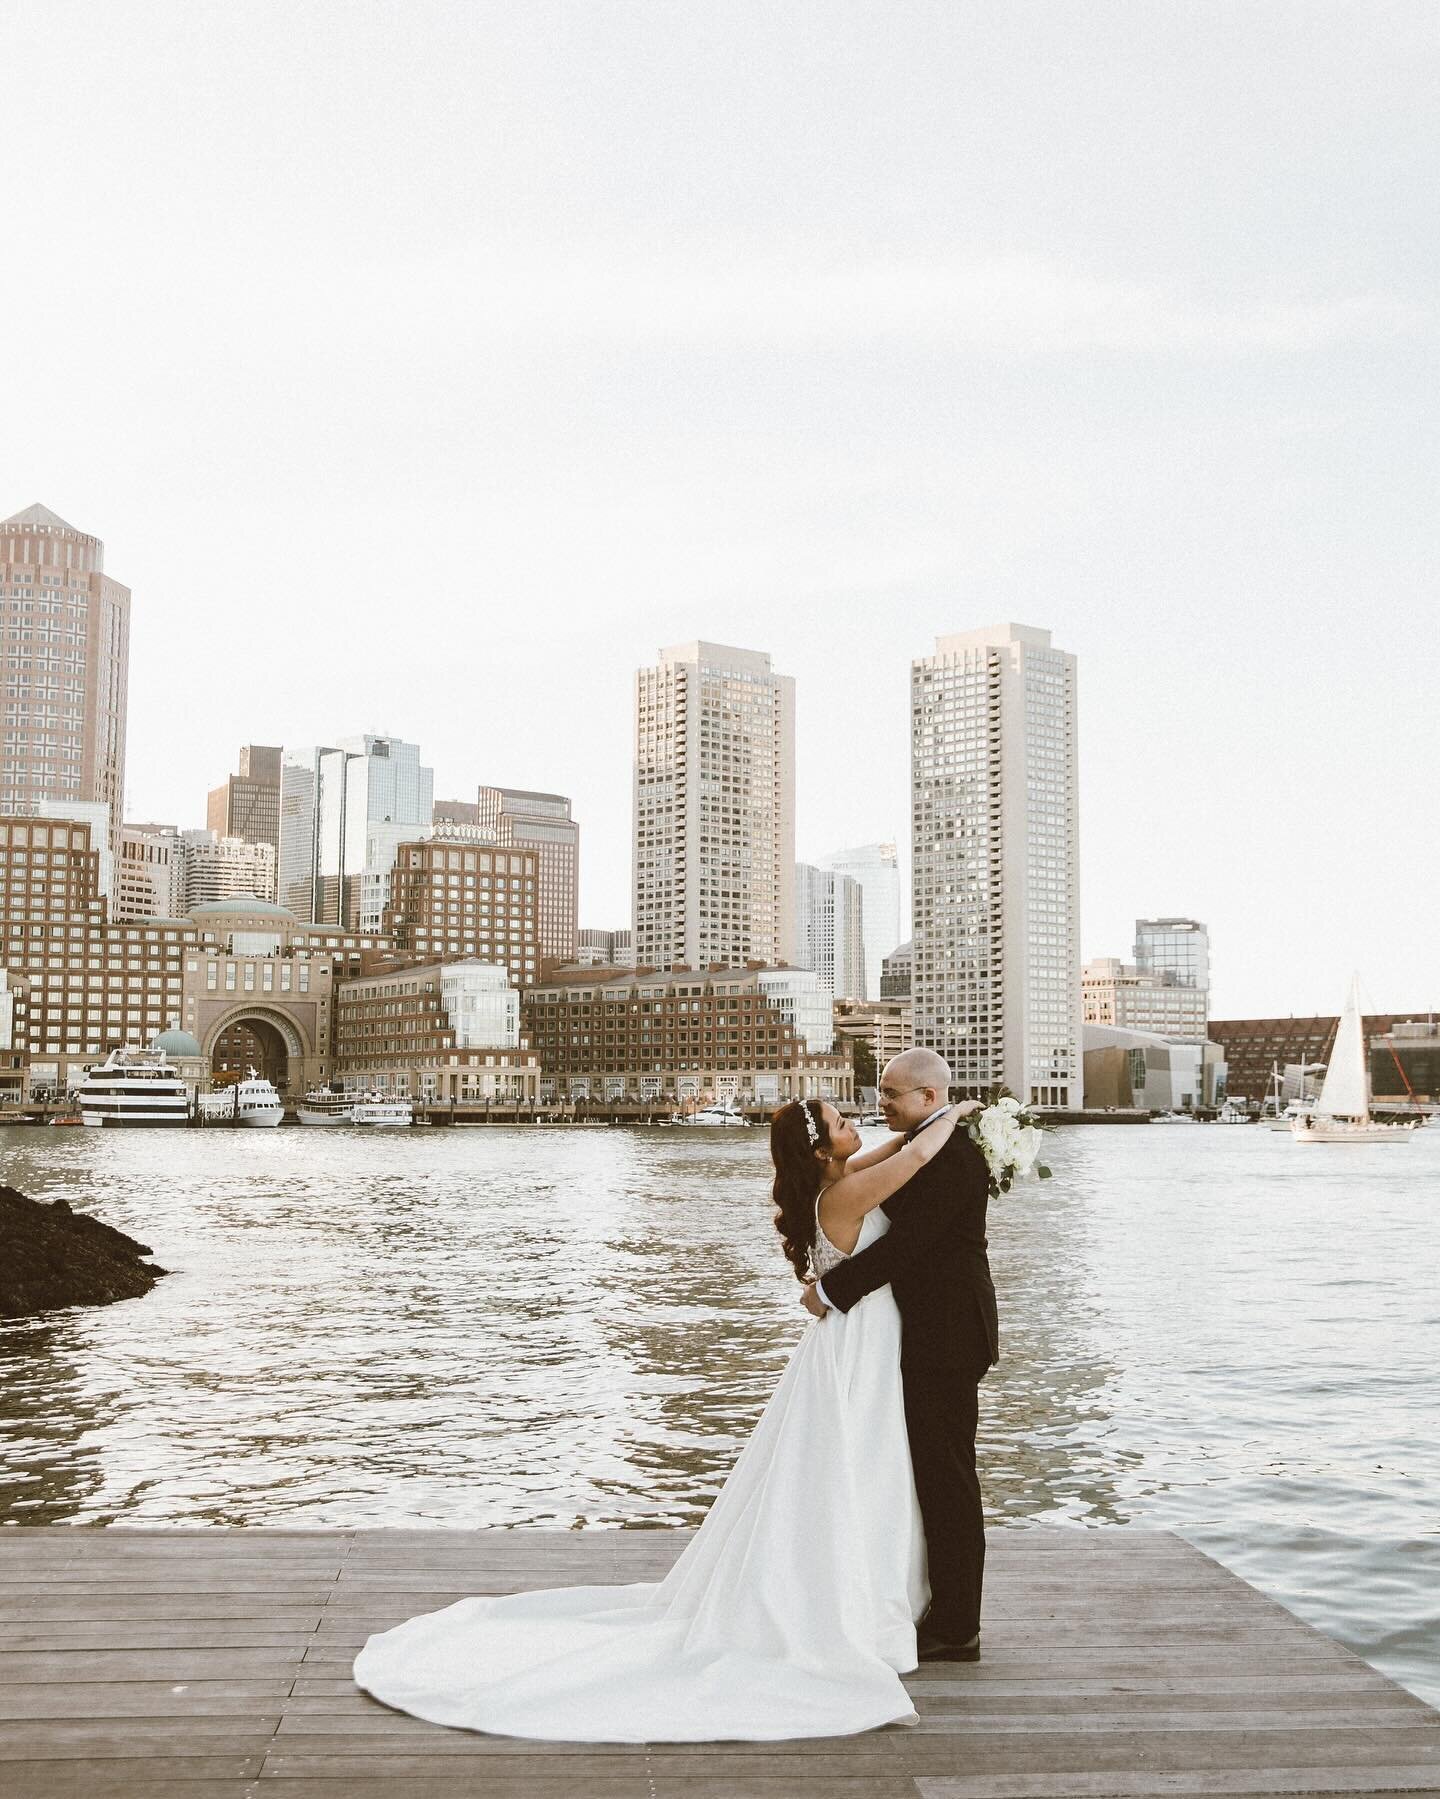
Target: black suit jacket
column 933, row 1256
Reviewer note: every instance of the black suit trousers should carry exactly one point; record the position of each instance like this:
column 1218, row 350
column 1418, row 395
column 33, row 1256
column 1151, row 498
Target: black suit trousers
column 942, row 1410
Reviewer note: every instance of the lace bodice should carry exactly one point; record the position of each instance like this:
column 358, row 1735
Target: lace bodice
column 823, row 1254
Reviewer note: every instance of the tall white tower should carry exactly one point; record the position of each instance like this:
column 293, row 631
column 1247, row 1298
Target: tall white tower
column 714, row 847
column 995, row 880
column 877, row 868
column 830, row 929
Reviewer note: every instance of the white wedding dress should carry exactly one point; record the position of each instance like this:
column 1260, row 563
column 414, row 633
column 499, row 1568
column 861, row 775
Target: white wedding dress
column 791, row 1613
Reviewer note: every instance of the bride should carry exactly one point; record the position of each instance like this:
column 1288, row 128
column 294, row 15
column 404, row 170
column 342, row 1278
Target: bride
column 791, row 1613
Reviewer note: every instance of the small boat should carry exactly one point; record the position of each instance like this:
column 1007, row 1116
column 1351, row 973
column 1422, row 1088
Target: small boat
column 326, row 1105
column 378, row 1109
column 723, row 1115
column 253, row 1101
column 133, row 1087
column 336, row 1104
column 1342, row 1112
column 1230, row 1113
column 1173, row 1118
column 872, row 1118
column 1283, row 1116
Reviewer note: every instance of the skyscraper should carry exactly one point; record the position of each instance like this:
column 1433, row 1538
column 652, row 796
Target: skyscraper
column 247, row 805
column 1176, row 949
column 877, row 868
column 830, row 929
column 344, row 811
column 995, row 880
column 541, row 821
column 65, row 628
column 714, row 848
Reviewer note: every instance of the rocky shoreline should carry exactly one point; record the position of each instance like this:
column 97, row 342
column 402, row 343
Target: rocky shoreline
column 52, row 1256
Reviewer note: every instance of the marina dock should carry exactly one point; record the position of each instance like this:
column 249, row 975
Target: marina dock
column 215, row 1664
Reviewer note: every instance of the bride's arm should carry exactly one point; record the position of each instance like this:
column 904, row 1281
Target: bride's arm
column 855, row 1194
column 880, row 1152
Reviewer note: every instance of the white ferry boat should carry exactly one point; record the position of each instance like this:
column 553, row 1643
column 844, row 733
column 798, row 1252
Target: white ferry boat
column 253, row 1101
column 723, row 1115
column 381, row 1109
column 338, row 1105
column 134, row 1087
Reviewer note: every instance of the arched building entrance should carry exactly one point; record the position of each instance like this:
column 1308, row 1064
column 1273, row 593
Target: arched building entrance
column 262, row 1038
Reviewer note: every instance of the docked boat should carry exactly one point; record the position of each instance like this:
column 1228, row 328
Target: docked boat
column 1342, row 1112
column 724, row 1115
column 381, row 1109
column 1283, row 1115
column 326, row 1105
column 253, row 1101
column 134, row 1087
column 340, row 1105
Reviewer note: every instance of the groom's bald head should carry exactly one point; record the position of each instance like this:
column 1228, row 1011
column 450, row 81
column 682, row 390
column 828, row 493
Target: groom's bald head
column 912, row 1085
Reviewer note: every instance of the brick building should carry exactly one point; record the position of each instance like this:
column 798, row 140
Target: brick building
column 614, row 1033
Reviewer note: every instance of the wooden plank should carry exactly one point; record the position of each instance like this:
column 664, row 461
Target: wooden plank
column 70, row 1739
column 1114, row 1662
column 134, row 1777
column 148, row 1698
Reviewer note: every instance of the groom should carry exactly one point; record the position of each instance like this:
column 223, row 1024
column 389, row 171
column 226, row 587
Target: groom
column 934, row 1258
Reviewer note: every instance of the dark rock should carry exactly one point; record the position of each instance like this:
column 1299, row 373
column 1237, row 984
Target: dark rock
column 52, row 1256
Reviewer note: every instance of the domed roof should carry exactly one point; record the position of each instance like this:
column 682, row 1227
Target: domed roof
column 245, row 903
column 177, row 1043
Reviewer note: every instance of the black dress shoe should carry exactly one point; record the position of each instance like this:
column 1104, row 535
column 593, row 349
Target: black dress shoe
column 935, row 1649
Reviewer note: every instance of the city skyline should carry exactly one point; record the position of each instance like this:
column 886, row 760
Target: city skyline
column 513, row 352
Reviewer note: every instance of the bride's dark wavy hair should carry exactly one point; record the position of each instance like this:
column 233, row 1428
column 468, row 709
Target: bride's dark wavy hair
column 797, row 1178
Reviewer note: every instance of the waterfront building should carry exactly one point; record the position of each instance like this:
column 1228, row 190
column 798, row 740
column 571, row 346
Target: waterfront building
column 876, row 866
column 830, row 929
column 150, row 873
column 246, row 978
column 995, row 876
column 896, row 972
column 14, row 1038
column 1137, row 999
column 442, row 1033
column 804, row 1002
column 344, row 810
column 605, row 949
column 1394, row 1041
column 454, row 899
column 1127, row 1068
column 65, row 631
column 714, row 810
column 885, row 1026
column 676, row 1035
column 517, row 817
column 247, row 804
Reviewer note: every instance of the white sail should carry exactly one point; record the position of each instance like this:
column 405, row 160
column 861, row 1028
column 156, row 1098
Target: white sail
column 1346, row 1090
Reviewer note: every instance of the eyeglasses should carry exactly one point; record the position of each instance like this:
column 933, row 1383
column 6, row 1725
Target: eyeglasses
column 893, row 1093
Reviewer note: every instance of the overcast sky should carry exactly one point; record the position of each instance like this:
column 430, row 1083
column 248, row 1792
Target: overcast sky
column 425, row 367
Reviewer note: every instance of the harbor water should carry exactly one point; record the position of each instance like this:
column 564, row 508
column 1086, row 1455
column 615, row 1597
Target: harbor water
column 1208, row 1329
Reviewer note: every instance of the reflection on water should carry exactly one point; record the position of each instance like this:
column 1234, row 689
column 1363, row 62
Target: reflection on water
column 1202, row 1329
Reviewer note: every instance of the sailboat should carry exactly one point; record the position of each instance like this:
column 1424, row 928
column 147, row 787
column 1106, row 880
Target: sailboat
column 1342, row 1112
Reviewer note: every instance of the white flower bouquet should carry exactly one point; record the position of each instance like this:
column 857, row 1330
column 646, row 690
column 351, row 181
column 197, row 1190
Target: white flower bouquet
column 1009, row 1139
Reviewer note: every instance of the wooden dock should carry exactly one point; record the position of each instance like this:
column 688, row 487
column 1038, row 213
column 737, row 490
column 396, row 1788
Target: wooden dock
column 215, row 1664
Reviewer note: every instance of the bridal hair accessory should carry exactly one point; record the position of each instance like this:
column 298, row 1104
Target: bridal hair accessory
column 811, row 1130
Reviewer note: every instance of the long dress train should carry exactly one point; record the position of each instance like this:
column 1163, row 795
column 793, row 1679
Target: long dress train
column 791, row 1613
